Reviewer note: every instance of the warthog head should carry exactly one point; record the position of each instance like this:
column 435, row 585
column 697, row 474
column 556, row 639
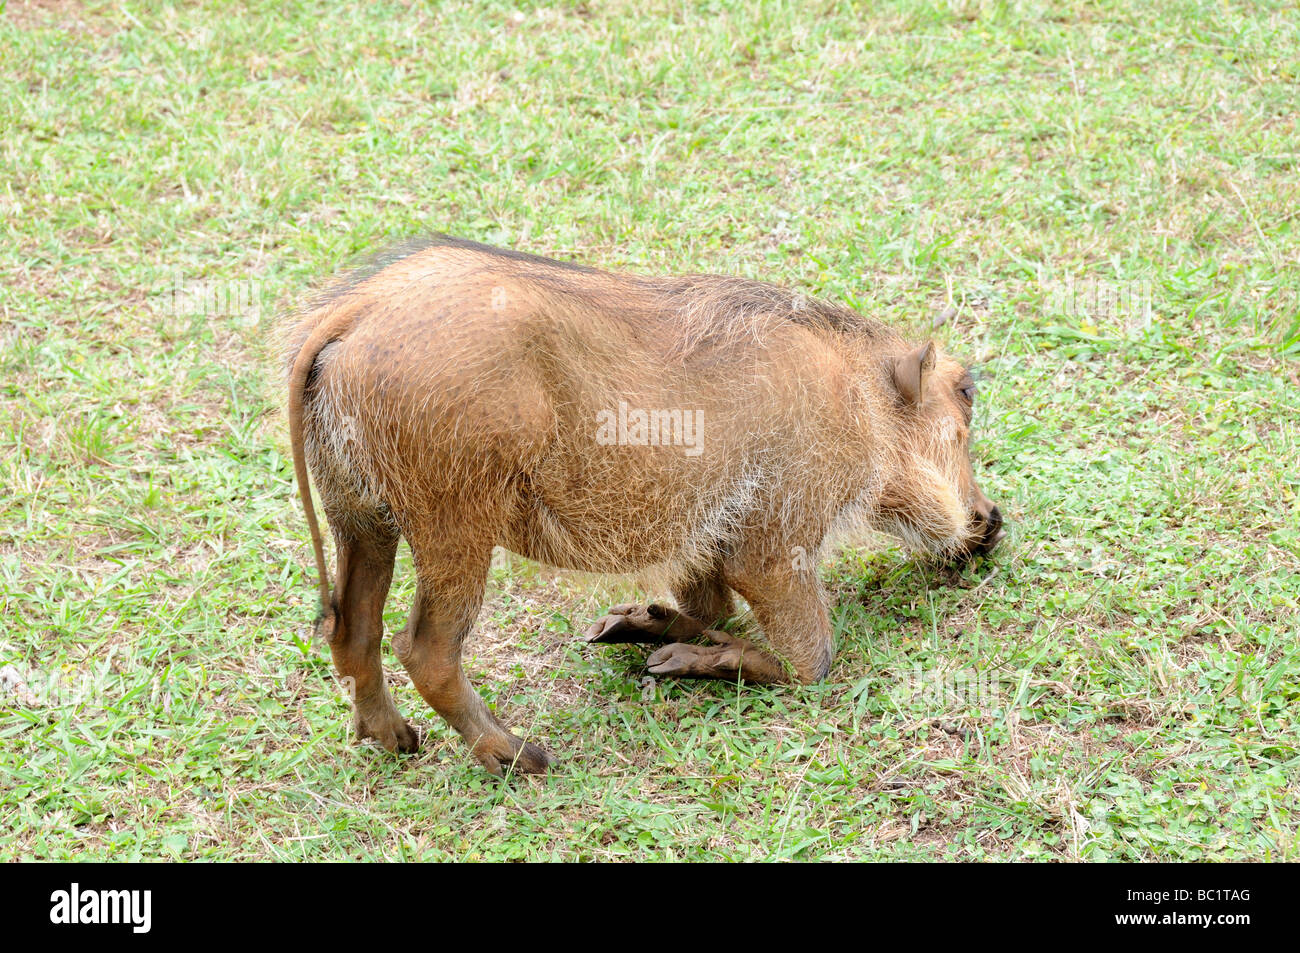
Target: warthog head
column 931, row 499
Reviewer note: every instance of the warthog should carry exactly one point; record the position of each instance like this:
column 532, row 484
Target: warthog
column 715, row 429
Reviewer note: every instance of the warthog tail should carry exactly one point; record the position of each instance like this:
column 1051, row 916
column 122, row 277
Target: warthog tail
column 330, row 329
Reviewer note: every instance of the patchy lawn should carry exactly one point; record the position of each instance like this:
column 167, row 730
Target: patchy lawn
column 1102, row 198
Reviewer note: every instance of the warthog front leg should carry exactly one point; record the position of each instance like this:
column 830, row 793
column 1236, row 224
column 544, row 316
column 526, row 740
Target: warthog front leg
column 729, row 657
column 790, row 609
column 651, row 624
column 706, row 596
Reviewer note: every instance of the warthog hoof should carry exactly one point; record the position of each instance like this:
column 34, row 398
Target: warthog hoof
column 511, row 755
column 396, row 735
column 635, row 623
column 729, row 658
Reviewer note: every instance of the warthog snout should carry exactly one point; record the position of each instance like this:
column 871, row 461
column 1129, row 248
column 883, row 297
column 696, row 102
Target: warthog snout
column 985, row 528
column 988, row 530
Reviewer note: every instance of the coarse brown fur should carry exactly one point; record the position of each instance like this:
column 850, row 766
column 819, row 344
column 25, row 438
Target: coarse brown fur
column 467, row 397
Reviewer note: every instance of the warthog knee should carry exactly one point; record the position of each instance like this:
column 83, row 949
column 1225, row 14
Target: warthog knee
column 810, row 673
column 403, row 645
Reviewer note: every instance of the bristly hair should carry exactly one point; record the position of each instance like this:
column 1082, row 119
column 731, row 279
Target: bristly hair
column 729, row 302
column 370, row 265
column 720, row 307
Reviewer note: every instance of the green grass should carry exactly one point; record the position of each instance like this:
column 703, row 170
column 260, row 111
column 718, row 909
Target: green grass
column 1134, row 645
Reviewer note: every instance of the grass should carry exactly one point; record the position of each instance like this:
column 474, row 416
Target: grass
column 1105, row 195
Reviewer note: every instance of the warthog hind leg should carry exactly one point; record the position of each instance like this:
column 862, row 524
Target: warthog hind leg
column 365, row 570
column 448, row 596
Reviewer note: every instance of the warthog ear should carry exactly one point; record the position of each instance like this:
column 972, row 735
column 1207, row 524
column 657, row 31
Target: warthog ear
column 911, row 371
